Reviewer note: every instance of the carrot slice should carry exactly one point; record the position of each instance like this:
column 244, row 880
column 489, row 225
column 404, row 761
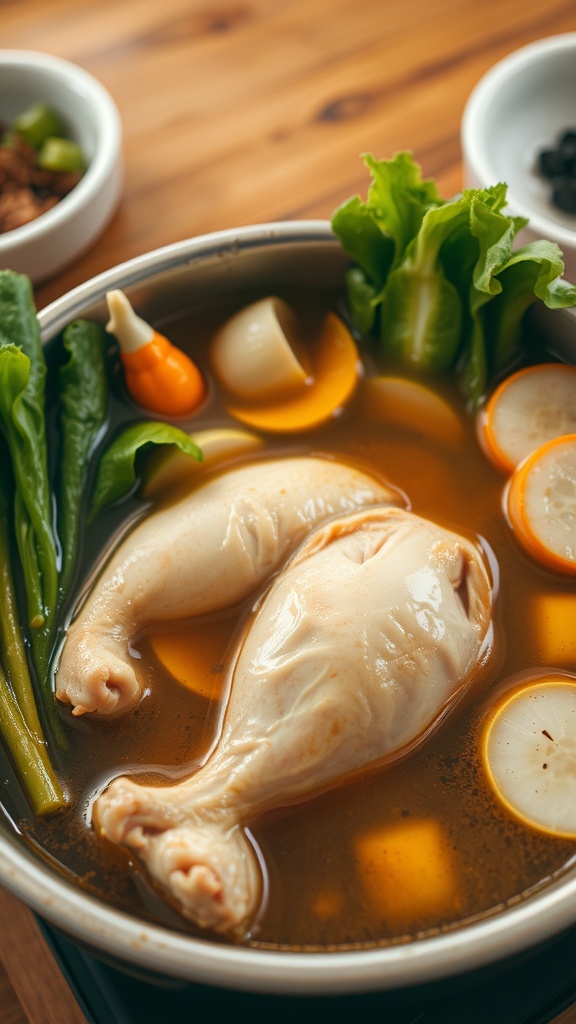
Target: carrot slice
column 193, row 657
column 540, row 502
column 527, row 409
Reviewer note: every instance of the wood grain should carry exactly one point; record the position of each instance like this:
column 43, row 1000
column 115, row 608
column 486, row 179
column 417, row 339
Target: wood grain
column 32, row 988
column 246, row 111
column 12, row 1012
column 253, row 111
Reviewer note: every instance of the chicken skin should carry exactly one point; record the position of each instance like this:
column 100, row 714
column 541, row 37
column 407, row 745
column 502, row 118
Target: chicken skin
column 206, row 552
column 358, row 648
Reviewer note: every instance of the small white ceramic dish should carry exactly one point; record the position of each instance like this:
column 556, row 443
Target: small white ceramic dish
column 518, row 108
column 47, row 244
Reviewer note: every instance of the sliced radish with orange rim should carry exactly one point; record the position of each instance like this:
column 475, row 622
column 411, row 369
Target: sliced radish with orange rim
column 540, row 504
column 529, row 753
column 526, row 410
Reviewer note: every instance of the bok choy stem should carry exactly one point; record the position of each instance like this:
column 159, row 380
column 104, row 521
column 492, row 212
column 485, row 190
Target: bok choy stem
column 19, row 722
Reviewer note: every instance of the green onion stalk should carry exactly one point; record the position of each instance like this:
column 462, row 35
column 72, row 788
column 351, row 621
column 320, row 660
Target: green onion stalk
column 19, row 722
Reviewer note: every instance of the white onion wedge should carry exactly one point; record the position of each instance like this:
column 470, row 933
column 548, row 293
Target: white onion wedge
column 335, row 369
column 529, row 752
column 256, row 355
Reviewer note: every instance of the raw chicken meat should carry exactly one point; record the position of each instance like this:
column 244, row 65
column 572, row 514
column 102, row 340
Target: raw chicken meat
column 207, row 552
column 359, row 647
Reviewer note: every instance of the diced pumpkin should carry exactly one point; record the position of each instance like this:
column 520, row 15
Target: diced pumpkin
column 553, row 625
column 408, row 871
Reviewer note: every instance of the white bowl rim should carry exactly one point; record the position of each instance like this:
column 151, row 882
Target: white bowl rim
column 477, row 109
column 116, row 934
column 102, row 164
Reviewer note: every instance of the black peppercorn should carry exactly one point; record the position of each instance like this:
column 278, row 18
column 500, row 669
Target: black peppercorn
column 564, row 194
column 558, row 165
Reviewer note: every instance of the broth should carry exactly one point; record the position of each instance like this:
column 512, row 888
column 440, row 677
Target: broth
column 319, row 892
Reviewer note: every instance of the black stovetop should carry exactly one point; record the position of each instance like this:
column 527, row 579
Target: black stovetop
column 532, row 989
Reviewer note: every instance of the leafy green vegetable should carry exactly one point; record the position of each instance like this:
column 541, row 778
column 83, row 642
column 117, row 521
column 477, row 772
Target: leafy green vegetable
column 443, row 287
column 19, row 720
column 362, row 299
column 83, row 400
column 399, row 198
column 24, row 435
column 22, row 397
column 117, row 471
column 364, row 240
column 26, row 485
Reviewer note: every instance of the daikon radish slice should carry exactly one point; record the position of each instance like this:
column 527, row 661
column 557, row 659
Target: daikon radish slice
column 529, row 752
column 540, row 504
column 528, row 409
column 411, row 405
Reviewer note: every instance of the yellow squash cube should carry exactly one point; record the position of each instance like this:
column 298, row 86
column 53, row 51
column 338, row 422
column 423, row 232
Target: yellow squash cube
column 408, row 872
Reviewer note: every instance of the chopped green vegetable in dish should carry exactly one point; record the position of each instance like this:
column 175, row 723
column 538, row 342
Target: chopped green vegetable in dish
column 439, row 281
column 41, row 164
column 37, row 123
column 61, row 155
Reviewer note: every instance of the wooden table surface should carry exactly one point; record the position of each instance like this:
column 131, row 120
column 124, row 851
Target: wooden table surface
column 249, row 111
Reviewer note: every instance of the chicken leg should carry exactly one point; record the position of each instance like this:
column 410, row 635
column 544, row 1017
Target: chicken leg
column 360, row 646
column 206, row 552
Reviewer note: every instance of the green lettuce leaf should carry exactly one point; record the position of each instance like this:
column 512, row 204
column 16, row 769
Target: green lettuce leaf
column 117, row 469
column 398, row 198
column 22, row 406
column 24, row 431
column 444, row 290
column 375, row 233
column 83, row 402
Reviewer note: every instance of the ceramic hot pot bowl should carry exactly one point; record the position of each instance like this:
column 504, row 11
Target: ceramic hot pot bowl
column 175, row 278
